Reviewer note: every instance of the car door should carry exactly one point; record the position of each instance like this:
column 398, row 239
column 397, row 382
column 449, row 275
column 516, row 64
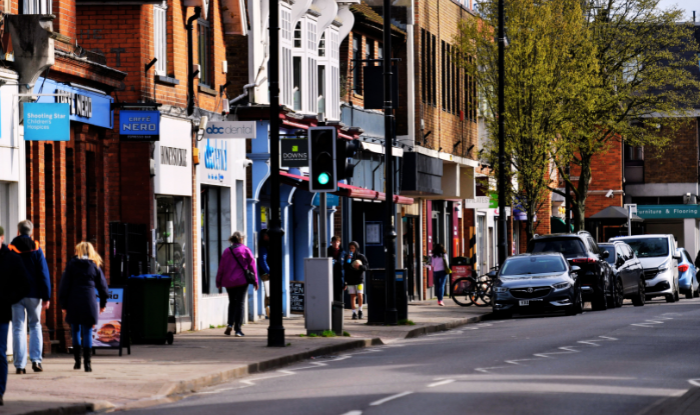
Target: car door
column 602, row 263
column 691, row 268
column 630, row 276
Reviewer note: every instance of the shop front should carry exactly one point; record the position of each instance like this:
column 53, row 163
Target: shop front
column 681, row 221
column 172, row 237
column 221, row 201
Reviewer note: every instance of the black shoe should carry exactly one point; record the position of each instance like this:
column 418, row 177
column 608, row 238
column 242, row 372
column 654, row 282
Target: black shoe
column 37, row 367
column 228, row 330
column 359, row 315
column 1, row 401
column 354, row 316
column 77, row 355
column 21, row 371
column 87, row 356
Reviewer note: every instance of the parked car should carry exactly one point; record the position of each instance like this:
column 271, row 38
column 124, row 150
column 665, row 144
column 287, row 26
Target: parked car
column 687, row 275
column 658, row 256
column 579, row 249
column 628, row 273
column 536, row 282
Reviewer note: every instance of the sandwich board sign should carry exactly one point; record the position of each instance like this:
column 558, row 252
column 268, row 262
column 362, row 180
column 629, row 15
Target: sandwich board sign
column 108, row 331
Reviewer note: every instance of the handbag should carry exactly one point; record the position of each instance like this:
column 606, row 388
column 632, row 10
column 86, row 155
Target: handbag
column 249, row 275
column 448, row 271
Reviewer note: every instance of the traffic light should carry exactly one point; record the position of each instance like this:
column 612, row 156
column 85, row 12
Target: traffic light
column 322, row 167
column 344, row 150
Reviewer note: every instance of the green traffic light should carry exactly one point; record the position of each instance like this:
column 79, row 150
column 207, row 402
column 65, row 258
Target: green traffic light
column 323, row 178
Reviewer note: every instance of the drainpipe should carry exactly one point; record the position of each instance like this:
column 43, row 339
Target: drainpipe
column 190, row 60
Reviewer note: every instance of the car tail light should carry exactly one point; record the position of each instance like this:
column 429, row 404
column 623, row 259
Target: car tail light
column 584, row 261
column 683, row 268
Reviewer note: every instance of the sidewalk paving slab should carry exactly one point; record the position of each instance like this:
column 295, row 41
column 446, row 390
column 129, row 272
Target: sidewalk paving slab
column 155, row 374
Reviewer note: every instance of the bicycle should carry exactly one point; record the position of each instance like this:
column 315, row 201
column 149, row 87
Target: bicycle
column 466, row 291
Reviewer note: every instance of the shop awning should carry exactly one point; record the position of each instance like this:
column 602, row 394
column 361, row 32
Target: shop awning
column 345, row 190
column 614, row 213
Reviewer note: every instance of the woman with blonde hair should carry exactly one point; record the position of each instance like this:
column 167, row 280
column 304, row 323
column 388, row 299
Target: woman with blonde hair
column 76, row 295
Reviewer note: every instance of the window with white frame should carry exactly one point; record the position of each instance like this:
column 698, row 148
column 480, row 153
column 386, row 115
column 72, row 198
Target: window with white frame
column 297, row 83
column 286, row 46
column 312, row 85
column 35, row 7
column 297, row 35
column 311, row 36
column 322, row 46
column 160, row 38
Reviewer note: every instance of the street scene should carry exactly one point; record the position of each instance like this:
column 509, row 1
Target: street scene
column 349, row 207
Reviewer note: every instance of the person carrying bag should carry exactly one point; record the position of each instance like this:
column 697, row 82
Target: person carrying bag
column 236, row 271
column 441, row 269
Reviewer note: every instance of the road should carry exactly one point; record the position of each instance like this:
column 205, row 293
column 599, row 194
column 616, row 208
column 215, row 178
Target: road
column 631, row 360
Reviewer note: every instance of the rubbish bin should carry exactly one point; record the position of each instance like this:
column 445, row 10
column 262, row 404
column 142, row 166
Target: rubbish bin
column 376, row 295
column 148, row 301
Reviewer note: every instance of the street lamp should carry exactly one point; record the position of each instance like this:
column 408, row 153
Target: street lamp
column 502, row 229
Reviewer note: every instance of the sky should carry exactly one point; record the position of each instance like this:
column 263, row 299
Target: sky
column 687, row 5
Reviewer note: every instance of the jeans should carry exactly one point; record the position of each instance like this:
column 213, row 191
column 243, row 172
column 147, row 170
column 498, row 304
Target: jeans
column 236, row 306
column 4, row 328
column 82, row 335
column 440, row 280
column 19, row 338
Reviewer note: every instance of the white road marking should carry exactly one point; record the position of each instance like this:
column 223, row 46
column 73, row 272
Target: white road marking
column 442, row 382
column 353, row 413
column 390, row 398
column 694, row 382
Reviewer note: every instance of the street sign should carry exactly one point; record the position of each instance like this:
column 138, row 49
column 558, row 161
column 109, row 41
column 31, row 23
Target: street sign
column 632, row 207
column 668, row 211
column 295, row 152
column 139, row 126
column 46, row 122
column 230, row 129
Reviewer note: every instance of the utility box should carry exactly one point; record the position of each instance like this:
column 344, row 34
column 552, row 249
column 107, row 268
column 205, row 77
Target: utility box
column 318, row 294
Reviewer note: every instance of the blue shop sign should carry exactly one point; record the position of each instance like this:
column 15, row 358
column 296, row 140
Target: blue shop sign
column 668, row 211
column 139, row 125
column 46, row 122
column 331, row 200
column 86, row 106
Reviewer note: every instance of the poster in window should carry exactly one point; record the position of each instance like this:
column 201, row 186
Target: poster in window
column 373, row 233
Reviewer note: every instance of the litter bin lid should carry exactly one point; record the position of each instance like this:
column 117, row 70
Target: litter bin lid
column 149, row 276
column 460, row 260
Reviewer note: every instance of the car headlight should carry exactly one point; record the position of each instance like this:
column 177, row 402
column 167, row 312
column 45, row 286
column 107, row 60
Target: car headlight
column 663, row 268
column 500, row 290
column 561, row 286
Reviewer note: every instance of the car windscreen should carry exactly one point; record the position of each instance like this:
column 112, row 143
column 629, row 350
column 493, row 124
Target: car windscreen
column 611, row 250
column 569, row 247
column 649, row 247
column 544, row 264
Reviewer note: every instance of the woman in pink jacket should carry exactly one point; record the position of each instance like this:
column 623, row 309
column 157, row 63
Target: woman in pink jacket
column 231, row 276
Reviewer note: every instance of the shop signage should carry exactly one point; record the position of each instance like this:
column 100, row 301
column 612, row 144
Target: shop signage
column 331, row 200
column 216, row 165
column 46, row 122
column 230, row 129
column 86, row 106
column 668, row 211
column 108, row 331
column 172, row 156
column 295, row 152
column 296, row 292
column 139, row 125
column 479, row 202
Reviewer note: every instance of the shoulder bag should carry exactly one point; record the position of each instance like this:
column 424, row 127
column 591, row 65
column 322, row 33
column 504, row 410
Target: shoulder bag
column 249, row 275
column 448, row 271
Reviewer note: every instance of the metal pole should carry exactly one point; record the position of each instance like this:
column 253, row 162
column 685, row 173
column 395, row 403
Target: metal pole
column 629, row 220
column 275, row 333
column 502, row 230
column 391, row 314
column 567, row 203
column 322, row 228
column 190, row 60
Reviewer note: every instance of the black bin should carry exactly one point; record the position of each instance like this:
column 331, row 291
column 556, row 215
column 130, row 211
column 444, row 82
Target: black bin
column 460, row 260
column 376, row 295
column 148, row 303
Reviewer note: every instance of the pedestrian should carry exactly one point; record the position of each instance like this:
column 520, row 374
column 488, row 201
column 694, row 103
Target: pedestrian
column 28, row 310
column 336, row 253
column 355, row 266
column 441, row 269
column 264, row 268
column 14, row 286
column 76, row 295
column 235, row 261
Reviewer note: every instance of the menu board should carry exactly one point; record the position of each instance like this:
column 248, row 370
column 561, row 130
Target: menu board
column 296, row 291
column 108, row 331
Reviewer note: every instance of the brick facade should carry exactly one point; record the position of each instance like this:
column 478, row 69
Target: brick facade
column 678, row 162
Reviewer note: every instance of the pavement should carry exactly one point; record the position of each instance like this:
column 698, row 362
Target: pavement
column 159, row 374
column 625, row 361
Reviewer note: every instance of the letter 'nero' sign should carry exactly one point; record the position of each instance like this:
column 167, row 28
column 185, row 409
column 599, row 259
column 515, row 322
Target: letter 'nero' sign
column 230, row 129
column 139, row 125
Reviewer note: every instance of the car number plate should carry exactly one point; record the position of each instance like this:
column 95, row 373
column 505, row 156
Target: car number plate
column 524, row 302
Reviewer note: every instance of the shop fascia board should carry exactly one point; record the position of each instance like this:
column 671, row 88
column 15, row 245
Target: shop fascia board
column 379, row 149
column 447, row 157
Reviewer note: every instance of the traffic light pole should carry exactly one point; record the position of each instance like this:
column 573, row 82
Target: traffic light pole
column 275, row 332
column 323, row 226
column 391, row 314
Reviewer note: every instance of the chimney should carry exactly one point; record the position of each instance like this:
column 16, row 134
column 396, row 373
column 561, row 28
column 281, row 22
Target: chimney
column 693, row 16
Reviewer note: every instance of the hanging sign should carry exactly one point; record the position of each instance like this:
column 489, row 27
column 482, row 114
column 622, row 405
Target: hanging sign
column 86, row 105
column 139, row 125
column 230, row 129
column 295, row 152
column 46, row 122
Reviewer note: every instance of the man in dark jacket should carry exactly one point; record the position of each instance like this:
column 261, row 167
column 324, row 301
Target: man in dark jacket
column 37, row 272
column 13, row 288
column 336, row 253
column 355, row 265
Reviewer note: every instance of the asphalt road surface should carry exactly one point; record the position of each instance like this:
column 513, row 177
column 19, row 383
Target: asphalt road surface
column 632, row 360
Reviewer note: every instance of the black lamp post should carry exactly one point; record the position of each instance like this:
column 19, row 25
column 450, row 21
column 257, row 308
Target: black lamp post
column 502, row 229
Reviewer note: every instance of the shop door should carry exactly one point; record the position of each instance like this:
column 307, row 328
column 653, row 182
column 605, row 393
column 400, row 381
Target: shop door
column 410, row 256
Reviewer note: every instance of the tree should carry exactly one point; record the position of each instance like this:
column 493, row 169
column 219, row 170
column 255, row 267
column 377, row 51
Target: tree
column 642, row 82
column 549, row 60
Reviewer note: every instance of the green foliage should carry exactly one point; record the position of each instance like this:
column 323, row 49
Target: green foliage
column 313, row 335
column 406, row 322
column 346, row 334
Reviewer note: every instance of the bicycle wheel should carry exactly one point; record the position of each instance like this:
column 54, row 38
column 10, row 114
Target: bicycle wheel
column 461, row 291
column 482, row 296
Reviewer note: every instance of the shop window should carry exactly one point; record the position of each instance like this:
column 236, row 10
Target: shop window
column 35, row 6
column 173, row 250
column 204, row 55
column 216, row 229
column 369, row 51
column 160, row 36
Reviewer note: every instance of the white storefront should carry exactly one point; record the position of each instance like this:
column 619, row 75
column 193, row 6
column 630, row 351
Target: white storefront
column 173, row 215
column 12, row 164
column 221, row 210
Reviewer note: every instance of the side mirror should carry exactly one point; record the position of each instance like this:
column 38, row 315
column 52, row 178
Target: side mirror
column 677, row 257
column 605, row 254
column 492, row 274
column 575, row 268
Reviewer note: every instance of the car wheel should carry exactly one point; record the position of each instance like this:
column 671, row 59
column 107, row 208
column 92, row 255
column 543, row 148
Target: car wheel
column 640, row 299
column 600, row 301
column 689, row 294
column 676, row 295
column 577, row 306
column 671, row 298
column 619, row 293
column 613, row 293
column 697, row 293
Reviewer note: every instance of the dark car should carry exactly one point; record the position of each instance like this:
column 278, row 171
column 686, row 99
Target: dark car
column 628, row 273
column 581, row 250
column 536, row 283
